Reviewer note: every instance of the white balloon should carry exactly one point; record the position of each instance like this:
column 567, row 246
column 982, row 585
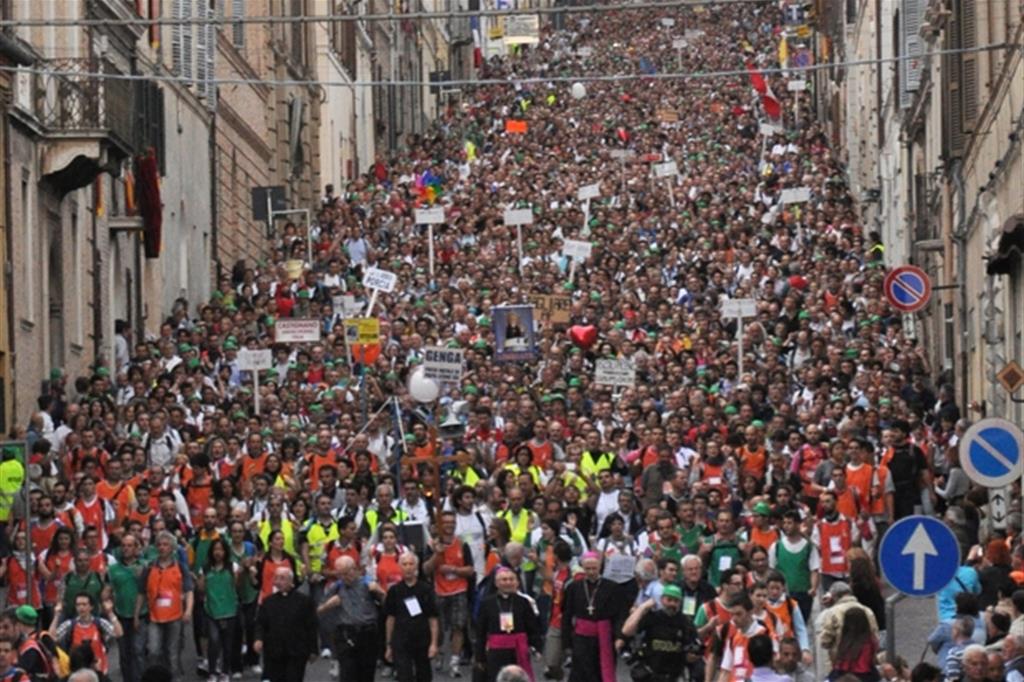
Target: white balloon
column 421, row 388
column 579, row 91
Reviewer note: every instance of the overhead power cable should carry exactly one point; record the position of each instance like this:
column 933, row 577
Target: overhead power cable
column 512, row 81
column 198, row 20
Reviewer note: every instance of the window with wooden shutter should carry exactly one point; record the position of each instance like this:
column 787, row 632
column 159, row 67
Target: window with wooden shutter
column 238, row 28
column 177, row 30
column 187, row 31
column 911, row 46
column 952, row 94
column 201, row 48
column 968, row 21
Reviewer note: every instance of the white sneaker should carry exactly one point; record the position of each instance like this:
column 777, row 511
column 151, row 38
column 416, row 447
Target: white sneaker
column 334, row 669
column 325, row 653
column 236, row 676
column 256, row 670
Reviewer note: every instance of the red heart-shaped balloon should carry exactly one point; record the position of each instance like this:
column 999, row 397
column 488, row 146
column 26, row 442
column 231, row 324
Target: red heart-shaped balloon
column 583, row 336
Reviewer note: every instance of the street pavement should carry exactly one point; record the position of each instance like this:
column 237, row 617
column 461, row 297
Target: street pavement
column 915, row 619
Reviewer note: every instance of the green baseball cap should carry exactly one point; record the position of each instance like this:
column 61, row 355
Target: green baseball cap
column 672, row 592
column 26, row 614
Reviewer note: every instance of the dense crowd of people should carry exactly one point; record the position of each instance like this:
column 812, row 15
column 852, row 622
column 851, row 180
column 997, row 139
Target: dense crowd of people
column 700, row 522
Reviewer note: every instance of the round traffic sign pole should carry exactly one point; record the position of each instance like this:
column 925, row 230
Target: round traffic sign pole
column 907, row 288
column 991, row 452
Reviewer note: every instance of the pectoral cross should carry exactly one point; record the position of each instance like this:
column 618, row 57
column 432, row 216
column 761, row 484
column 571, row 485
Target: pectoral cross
column 590, row 609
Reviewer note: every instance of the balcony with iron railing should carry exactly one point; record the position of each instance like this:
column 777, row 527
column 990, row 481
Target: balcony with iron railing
column 68, row 99
column 86, row 121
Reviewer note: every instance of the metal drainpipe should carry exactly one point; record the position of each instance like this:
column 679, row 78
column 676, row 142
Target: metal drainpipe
column 960, row 239
column 9, row 272
column 97, row 291
column 214, row 255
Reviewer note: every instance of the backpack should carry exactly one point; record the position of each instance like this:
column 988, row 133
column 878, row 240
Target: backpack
column 60, row 661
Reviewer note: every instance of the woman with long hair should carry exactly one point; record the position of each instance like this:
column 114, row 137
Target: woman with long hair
column 499, row 534
column 55, row 562
column 243, row 553
column 276, row 557
column 857, row 650
column 385, row 557
column 865, row 584
column 218, row 581
column 17, row 568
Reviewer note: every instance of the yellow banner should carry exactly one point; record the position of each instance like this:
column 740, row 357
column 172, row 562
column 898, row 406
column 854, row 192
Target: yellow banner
column 362, row 330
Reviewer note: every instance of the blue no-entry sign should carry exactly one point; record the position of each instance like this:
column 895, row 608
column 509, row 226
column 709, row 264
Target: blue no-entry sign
column 908, row 288
column 919, row 555
column 990, row 452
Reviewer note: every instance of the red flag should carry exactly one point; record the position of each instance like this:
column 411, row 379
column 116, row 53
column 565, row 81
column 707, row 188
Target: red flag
column 772, row 107
column 756, row 79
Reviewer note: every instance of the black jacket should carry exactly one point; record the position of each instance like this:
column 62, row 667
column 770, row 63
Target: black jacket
column 286, row 624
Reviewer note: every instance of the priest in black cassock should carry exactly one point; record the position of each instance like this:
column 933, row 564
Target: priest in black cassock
column 509, row 625
column 591, row 618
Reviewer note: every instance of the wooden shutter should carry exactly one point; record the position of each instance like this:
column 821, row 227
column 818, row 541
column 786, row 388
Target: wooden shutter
column 911, row 49
column 952, row 94
column 187, row 32
column 238, row 28
column 969, row 64
column 201, row 48
column 177, row 30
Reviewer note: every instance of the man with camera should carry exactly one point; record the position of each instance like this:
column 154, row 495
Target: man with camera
column 669, row 640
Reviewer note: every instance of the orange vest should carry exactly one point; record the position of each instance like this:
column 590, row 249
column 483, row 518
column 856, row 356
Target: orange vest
column 42, row 537
column 542, row 453
column 764, row 538
column 31, row 643
column 199, row 496
column 737, row 641
column 89, row 633
column 388, row 572
column 848, row 502
column 92, row 515
column 869, row 482
column 810, row 457
column 252, row 466
column 783, row 612
column 836, row 537
column 142, row 517
column 163, row 590
column 98, row 563
column 120, row 496
column 712, row 608
column 317, row 462
column 455, row 585
column 753, row 461
column 17, row 584
column 714, row 475
column 59, row 566
column 335, row 552
column 267, row 579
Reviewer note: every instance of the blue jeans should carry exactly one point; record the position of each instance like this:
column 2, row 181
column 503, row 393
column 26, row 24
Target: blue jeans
column 164, row 639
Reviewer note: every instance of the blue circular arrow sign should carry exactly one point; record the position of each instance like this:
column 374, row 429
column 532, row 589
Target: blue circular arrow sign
column 919, row 555
column 991, row 452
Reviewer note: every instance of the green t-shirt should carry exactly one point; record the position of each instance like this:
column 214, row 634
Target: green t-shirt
column 221, row 597
column 91, row 584
column 201, row 549
column 247, row 591
column 691, row 537
column 124, row 580
column 671, row 552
